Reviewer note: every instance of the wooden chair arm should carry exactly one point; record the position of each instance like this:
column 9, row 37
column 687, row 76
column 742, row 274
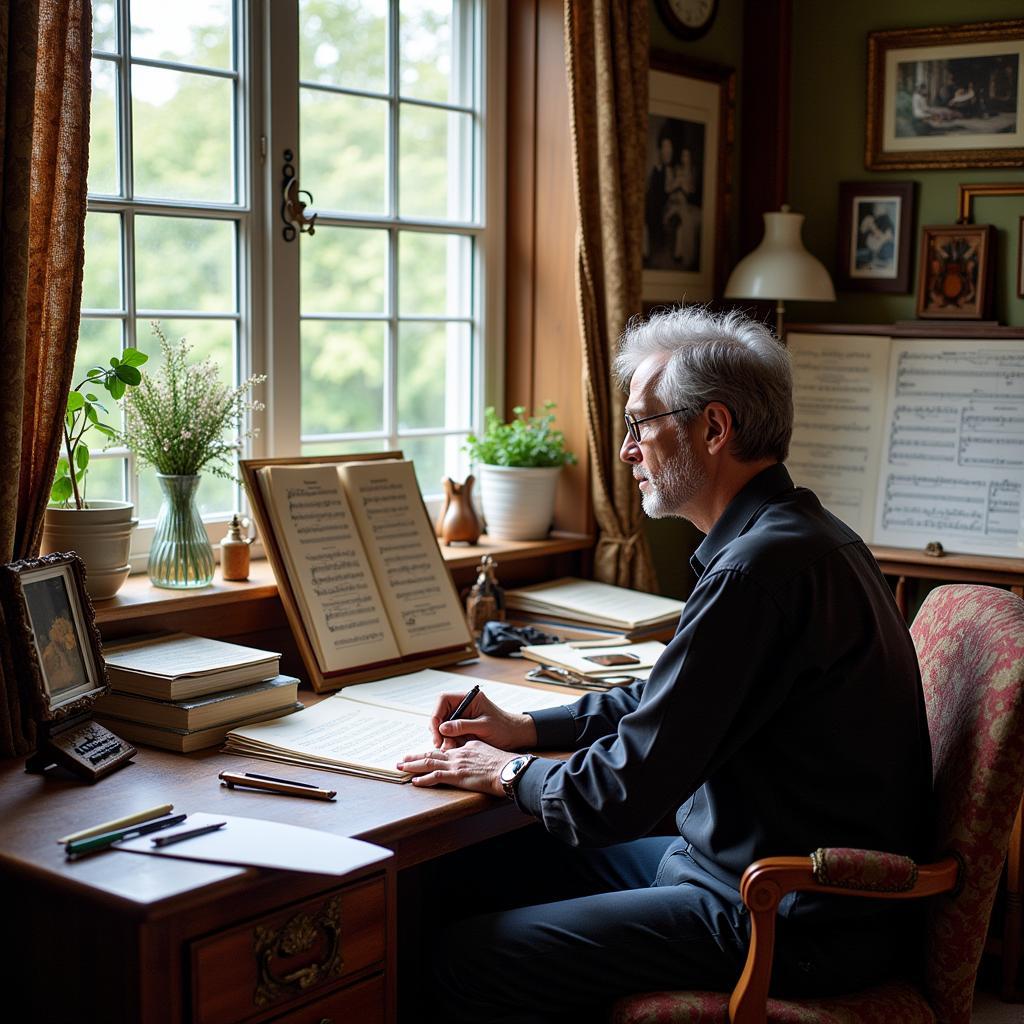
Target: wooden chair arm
column 762, row 887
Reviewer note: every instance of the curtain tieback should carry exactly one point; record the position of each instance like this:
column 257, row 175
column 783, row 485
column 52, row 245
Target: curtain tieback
column 629, row 543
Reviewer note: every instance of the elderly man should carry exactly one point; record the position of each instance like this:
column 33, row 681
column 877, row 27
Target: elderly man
column 785, row 714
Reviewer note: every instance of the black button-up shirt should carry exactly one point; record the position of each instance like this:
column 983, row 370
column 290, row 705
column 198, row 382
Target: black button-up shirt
column 786, row 713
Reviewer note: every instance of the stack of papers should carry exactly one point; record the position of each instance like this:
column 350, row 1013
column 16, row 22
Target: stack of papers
column 598, row 662
column 366, row 729
column 597, row 604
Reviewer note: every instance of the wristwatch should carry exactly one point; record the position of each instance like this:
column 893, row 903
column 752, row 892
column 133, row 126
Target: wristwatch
column 512, row 770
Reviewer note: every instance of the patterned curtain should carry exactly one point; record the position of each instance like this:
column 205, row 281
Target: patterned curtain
column 606, row 44
column 44, row 131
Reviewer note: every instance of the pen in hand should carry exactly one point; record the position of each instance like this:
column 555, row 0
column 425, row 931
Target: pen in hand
column 461, row 709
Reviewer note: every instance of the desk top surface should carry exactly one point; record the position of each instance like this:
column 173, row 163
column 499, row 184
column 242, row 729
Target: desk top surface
column 37, row 809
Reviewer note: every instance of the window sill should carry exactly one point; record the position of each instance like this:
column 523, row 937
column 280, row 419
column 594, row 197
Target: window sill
column 140, row 606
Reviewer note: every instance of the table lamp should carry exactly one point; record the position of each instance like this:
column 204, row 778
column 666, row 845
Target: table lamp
column 780, row 268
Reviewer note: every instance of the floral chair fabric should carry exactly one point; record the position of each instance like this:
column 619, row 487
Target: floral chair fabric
column 970, row 645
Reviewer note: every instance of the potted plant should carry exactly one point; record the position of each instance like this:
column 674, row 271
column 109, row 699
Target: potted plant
column 182, row 420
column 99, row 530
column 519, row 463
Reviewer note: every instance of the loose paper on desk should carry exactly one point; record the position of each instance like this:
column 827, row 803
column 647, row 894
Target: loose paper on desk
column 366, row 729
column 264, row 844
column 594, row 662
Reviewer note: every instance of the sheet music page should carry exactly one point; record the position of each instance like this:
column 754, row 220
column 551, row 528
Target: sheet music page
column 327, row 565
column 419, row 596
column 343, row 733
column 418, row 692
column 953, row 453
column 839, row 389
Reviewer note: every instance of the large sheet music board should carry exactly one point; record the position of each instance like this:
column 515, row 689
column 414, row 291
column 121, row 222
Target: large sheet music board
column 913, row 440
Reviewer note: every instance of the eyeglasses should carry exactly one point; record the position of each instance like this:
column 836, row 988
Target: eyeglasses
column 633, row 424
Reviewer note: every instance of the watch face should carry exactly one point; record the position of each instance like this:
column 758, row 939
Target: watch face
column 513, row 768
column 688, row 19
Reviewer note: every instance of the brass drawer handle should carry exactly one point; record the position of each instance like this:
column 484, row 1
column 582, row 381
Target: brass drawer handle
column 300, row 934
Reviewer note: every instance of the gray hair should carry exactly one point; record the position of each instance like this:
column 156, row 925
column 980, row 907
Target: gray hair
column 717, row 357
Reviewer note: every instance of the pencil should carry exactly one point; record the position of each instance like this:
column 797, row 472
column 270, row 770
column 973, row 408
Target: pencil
column 111, row 826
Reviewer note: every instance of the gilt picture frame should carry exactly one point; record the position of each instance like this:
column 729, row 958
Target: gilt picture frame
column 946, row 97
column 687, row 199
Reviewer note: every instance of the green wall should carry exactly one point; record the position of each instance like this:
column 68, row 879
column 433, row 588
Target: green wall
column 829, row 87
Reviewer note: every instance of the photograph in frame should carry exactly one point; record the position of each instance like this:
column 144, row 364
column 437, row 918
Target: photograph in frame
column 956, row 276
column 946, row 97
column 688, row 148
column 1020, row 259
column 875, row 236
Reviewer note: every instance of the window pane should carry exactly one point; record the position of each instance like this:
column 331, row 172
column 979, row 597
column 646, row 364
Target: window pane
column 429, row 71
column 435, row 458
column 185, row 263
column 215, row 496
column 434, row 368
column 186, row 31
column 344, row 43
column 213, row 339
column 182, row 138
column 103, row 171
column 104, row 479
column 344, row 270
column 98, row 340
column 104, row 27
column 343, row 143
column 434, row 274
column 435, row 171
column 342, row 376
column 361, row 447
column 101, row 286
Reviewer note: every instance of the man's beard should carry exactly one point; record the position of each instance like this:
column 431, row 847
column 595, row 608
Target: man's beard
column 677, row 482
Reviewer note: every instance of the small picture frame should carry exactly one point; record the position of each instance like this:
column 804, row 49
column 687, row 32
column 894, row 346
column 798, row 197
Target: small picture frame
column 876, row 223
column 58, row 656
column 1020, row 258
column 955, row 279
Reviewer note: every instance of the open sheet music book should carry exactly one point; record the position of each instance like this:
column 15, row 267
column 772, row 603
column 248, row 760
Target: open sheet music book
column 365, row 729
column 358, row 566
column 913, row 440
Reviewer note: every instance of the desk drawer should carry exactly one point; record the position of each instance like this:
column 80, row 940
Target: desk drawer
column 358, row 1004
column 286, row 956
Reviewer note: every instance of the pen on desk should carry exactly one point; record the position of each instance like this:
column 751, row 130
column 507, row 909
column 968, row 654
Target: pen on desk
column 109, row 826
column 268, row 784
column 78, row 847
column 179, row 837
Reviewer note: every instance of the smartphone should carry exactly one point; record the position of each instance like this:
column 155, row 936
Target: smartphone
column 612, row 660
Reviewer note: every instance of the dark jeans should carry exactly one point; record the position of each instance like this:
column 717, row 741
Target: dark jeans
column 569, row 930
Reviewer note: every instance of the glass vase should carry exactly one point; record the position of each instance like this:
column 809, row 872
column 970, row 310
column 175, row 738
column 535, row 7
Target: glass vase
column 181, row 555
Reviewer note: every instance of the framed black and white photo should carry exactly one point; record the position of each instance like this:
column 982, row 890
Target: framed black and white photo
column 875, row 236
column 946, row 97
column 686, row 203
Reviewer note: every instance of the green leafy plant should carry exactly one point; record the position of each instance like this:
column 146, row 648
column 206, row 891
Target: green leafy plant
column 525, row 442
column 182, row 419
column 82, row 415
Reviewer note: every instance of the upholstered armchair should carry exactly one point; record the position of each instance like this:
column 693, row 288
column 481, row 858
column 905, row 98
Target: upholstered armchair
column 970, row 644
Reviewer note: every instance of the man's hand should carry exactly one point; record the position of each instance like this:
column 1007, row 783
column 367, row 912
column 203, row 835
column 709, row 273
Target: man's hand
column 474, row 766
column 482, row 720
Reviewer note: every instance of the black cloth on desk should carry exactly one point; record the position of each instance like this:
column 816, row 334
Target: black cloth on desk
column 786, row 713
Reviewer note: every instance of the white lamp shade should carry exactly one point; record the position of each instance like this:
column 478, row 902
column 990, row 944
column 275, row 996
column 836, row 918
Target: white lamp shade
column 780, row 267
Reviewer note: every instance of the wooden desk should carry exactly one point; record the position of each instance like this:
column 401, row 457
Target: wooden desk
column 120, row 937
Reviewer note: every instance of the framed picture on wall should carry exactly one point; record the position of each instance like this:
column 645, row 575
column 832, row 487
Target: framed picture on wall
column 1020, row 258
column 686, row 202
column 876, row 223
column 946, row 97
column 955, row 280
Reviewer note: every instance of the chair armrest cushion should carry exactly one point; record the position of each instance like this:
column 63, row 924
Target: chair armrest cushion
column 863, row 869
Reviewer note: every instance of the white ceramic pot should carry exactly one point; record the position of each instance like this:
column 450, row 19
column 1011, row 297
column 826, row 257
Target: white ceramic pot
column 518, row 504
column 102, row 536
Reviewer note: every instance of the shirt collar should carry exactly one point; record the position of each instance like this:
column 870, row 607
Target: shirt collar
column 740, row 511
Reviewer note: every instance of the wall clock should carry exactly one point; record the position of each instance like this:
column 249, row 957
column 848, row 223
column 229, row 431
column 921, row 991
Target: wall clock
column 688, row 19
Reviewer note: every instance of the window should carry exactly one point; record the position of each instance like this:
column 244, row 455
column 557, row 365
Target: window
column 372, row 329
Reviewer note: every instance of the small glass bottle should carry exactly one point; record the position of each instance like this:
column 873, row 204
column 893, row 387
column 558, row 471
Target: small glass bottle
column 234, row 551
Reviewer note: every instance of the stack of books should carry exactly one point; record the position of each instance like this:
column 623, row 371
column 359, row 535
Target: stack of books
column 183, row 693
column 587, row 606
